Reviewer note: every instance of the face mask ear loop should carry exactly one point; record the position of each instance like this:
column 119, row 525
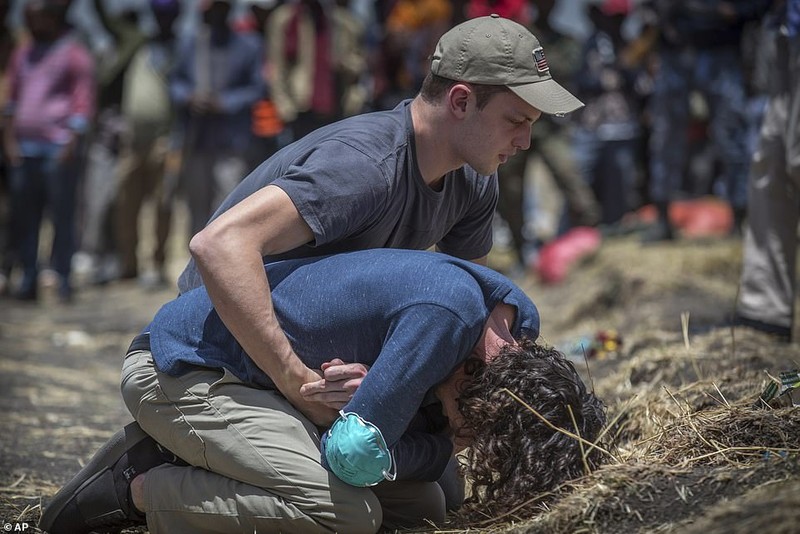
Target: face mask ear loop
column 392, row 473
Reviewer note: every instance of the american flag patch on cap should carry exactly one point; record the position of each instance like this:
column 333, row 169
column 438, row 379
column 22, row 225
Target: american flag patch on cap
column 541, row 61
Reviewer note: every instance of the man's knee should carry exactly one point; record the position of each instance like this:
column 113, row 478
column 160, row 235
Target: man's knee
column 358, row 511
column 410, row 504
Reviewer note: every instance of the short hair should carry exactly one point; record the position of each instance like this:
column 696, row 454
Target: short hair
column 514, row 456
column 56, row 9
column 434, row 86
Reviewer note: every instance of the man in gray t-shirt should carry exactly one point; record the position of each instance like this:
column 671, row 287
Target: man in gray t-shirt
column 357, row 185
column 419, row 176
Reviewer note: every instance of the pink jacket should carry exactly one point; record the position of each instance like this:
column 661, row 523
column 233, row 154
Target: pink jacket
column 51, row 90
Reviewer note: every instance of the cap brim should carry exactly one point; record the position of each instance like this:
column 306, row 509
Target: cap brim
column 548, row 97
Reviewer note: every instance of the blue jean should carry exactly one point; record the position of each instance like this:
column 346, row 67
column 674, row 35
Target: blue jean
column 44, row 183
column 610, row 168
column 717, row 74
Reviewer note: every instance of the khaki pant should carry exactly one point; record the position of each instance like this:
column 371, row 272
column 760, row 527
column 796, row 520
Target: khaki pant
column 768, row 283
column 141, row 171
column 255, row 462
column 207, row 178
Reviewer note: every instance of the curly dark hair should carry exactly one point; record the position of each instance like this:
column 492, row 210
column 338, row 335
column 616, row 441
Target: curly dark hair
column 514, row 456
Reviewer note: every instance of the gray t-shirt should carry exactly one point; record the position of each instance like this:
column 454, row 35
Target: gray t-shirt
column 356, row 183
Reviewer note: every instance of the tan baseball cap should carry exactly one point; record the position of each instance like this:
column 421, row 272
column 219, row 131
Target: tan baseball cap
column 497, row 51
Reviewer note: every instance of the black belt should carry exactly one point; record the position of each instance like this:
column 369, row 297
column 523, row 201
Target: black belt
column 140, row 342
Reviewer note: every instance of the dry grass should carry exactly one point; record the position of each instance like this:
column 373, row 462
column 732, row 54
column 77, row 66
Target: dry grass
column 690, row 454
column 690, row 449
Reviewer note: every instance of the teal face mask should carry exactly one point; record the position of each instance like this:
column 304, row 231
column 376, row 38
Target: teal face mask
column 357, row 453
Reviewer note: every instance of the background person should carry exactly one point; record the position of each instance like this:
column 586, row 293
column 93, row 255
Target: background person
column 216, row 80
column 7, row 245
column 608, row 130
column 50, row 104
column 100, row 187
column 699, row 48
column 768, row 282
column 316, row 56
column 550, row 140
column 146, row 146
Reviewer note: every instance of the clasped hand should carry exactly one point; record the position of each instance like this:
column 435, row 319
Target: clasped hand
column 339, row 382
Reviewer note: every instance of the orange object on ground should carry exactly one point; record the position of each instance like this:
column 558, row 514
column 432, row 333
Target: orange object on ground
column 699, row 217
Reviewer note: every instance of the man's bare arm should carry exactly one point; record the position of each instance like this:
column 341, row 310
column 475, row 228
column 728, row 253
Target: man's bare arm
column 228, row 253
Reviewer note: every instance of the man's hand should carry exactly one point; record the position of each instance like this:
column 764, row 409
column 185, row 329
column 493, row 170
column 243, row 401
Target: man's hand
column 319, row 414
column 69, row 150
column 727, row 10
column 11, row 147
column 339, row 382
column 204, row 105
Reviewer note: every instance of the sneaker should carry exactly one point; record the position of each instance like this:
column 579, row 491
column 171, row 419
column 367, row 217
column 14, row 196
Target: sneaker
column 659, row 232
column 98, row 498
column 153, row 280
column 64, row 292
column 782, row 334
column 28, row 295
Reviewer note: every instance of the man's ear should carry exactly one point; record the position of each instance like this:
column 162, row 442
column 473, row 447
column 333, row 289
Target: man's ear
column 472, row 365
column 458, row 99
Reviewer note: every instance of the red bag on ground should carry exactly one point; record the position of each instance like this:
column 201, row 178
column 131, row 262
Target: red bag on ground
column 558, row 256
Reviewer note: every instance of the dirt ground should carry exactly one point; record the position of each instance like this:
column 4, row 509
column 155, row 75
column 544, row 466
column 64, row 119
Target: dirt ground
column 690, row 454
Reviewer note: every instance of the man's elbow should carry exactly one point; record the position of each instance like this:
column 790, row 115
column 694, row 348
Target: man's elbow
column 205, row 245
column 223, row 241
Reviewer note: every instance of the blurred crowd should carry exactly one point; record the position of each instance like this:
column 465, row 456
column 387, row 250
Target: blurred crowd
column 674, row 90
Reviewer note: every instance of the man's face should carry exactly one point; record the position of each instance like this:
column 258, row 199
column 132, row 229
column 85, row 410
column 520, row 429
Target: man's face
column 165, row 19
column 216, row 15
column 4, row 7
column 447, row 392
column 41, row 22
column 545, row 7
column 493, row 134
column 260, row 14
